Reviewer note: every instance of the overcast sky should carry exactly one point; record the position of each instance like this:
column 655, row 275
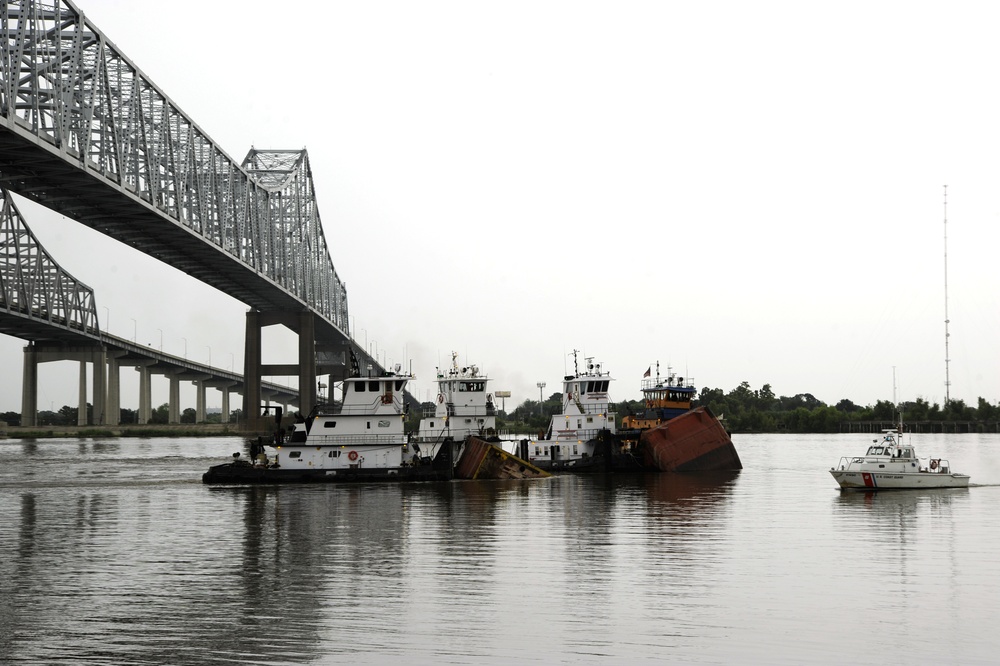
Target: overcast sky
column 747, row 191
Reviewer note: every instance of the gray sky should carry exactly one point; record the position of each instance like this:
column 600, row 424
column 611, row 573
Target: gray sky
column 746, row 191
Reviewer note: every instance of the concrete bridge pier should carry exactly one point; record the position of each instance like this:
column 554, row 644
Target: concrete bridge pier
column 114, row 416
column 224, row 387
column 199, row 405
column 199, row 402
column 145, row 391
column 96, row 355
column 304, row 324
column 29, row 387
column 81, row 406
column 174, row 399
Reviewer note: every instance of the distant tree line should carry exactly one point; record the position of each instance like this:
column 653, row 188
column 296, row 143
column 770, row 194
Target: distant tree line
column 746, row 410
column 67, row 416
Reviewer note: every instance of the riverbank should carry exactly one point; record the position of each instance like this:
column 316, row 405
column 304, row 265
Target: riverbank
column 129, row 430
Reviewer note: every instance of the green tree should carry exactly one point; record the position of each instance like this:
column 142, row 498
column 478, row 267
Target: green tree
column 915, row 411
column 985, row 412
column 847, row 406
column 160, row 415
column 884, row 411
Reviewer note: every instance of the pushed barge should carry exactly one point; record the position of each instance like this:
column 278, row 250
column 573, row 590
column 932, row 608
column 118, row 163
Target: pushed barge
column 667, row 436
column 670, row 436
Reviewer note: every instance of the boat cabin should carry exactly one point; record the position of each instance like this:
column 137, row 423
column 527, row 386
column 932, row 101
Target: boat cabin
column 463, row 406
column 586, row 412
column 890, row 447
column 663, row 400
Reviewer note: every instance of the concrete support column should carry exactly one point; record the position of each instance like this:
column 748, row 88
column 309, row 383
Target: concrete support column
column 251, row 370
column 29, row 387
column 174, row 403
column 145, row 394
column 225, row 404
column 114, row 405
column 81, row 409
column 99, row 382
column 307, row 362
column 199, row 401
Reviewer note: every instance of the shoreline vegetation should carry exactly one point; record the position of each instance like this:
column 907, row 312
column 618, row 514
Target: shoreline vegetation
column 745, row 410
column 742, row 410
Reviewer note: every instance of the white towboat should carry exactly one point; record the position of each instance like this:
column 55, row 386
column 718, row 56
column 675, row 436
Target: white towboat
column 360, row 439
column 463, row 407
column 890, row 464
column 573, row 436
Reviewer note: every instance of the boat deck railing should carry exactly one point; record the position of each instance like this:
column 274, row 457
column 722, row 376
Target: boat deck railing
column 934, row 466
column 592, row 410
column 375, row 408
column 355, row 440
column 583, row 435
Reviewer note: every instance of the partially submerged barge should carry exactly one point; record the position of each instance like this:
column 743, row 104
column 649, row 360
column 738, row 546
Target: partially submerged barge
column 668, row 435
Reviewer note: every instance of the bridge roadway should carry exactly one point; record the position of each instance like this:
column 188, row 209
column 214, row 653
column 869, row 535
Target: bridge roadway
column 108, row 356
column 87, row 134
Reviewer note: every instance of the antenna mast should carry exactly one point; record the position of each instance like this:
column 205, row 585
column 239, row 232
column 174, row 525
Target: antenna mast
column 947, row 360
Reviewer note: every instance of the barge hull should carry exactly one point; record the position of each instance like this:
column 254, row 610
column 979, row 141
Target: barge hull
column 481, row 459
column 692, row 442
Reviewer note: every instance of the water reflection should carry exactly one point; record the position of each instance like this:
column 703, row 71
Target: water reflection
column 709, row 487
column 896, row 502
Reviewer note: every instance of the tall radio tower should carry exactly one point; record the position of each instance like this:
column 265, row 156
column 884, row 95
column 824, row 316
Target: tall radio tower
column 947, row 378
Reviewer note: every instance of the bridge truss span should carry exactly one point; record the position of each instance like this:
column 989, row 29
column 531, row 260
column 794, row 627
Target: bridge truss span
column 84, row 132
column 38, row 299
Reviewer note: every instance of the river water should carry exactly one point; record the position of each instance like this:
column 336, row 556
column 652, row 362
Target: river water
column 113, row 552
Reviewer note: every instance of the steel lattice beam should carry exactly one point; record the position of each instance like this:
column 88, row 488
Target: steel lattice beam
column 38, row 299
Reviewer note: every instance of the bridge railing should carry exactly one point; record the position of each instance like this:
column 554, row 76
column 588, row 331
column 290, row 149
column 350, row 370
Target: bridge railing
column 66, row 85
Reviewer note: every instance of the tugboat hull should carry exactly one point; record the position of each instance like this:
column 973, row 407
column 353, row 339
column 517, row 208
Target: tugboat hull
column 245, row 473
column 692, row 442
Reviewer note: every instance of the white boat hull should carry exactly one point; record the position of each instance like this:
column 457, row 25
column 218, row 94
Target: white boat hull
column 849, row 479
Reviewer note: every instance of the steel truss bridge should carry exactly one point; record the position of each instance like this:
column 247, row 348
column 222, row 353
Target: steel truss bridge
column 41, row 302
column 85, row 133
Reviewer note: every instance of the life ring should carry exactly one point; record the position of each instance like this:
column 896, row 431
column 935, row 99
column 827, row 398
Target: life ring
column 934, row 464
column 352, row 456
column 387, row 399
column 440, row 398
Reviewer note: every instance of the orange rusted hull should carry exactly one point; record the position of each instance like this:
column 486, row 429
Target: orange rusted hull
column 482, row 460
column 692, row 442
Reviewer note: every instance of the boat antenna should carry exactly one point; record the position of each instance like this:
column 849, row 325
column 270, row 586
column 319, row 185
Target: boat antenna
column 947, row 360
column 899, row 408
